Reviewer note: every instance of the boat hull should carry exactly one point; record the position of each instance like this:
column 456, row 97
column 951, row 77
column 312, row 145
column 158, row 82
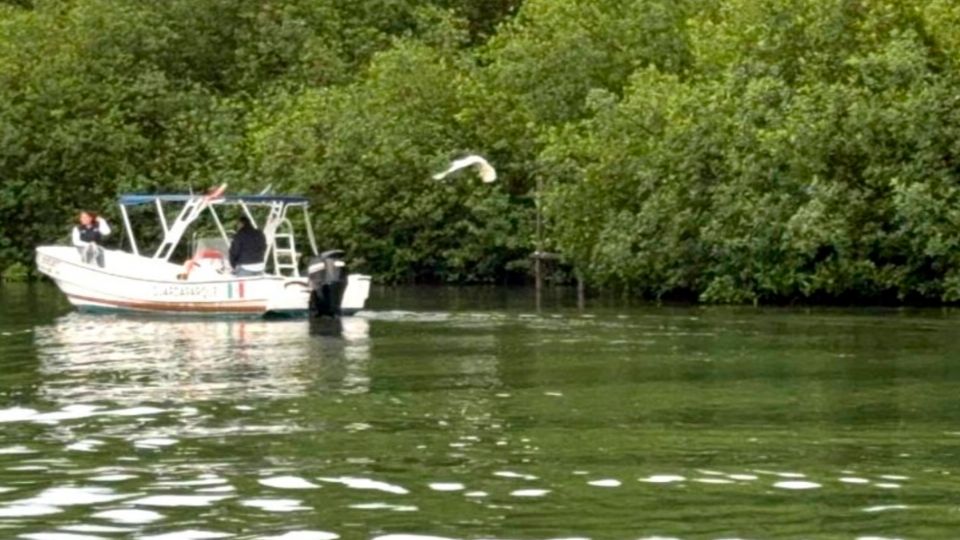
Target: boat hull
column 131, row 283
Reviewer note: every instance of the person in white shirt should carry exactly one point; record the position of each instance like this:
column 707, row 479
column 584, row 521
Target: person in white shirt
column 88, row 235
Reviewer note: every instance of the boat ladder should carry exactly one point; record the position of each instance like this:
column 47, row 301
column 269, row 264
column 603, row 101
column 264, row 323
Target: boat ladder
column 285, row 251
column 278, row 231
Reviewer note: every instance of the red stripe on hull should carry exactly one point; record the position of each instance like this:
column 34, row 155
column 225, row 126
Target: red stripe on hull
column 201, row 307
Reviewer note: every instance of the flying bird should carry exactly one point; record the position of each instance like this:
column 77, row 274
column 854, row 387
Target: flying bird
column 487, row 172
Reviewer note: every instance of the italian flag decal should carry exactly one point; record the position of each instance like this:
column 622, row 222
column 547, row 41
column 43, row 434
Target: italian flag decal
column 238, row 289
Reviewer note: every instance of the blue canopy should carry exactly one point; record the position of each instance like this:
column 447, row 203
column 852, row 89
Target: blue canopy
column 133, row 199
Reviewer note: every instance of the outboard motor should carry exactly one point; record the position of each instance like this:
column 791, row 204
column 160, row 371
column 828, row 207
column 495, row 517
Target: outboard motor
column 327, row 275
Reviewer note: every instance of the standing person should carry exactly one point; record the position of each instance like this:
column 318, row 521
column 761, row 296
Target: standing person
column 88, row 235
column 247, row 250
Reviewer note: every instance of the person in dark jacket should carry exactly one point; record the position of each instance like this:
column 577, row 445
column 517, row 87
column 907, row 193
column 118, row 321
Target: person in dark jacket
column 247, row 250
column 88, row 235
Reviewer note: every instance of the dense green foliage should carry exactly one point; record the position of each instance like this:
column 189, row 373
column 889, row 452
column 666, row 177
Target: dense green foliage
column 726, row 150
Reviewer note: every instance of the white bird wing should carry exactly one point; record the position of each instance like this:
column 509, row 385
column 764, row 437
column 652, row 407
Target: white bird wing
column 487, row 172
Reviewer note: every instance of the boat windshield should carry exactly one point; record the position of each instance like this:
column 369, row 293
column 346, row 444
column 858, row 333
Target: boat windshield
column 207, row 246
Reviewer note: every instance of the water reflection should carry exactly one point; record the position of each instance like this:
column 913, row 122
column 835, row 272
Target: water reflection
column 467, row 424
column 129, row 361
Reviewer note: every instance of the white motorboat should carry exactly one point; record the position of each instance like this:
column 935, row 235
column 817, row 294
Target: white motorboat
column 139, row 281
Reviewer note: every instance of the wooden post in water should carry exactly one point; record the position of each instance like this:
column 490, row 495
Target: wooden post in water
column 537, row 255
column 537, row 279
column 581, row 293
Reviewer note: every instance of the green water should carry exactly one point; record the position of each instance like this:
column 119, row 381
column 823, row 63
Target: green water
column 467, row 414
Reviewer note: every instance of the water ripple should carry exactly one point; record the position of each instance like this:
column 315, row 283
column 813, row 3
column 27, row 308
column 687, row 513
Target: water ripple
column 189, row 534
column 28, row 510
column 606, row 482
column 511, row 474
column 287, row 482
column 366, row 483
column 129, row 516
column 796, row 484
column 60, row 536
column 275, row 505
column 303, row 535
column 663, row 479
column 384, row 506
column 446, row 486
column 529, row 492
column 179, row 500
column 885, row 508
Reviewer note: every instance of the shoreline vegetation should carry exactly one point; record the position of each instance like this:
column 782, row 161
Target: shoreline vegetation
column 717, row 151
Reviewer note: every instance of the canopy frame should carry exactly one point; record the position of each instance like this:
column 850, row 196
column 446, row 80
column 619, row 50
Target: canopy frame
column 195, row 205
